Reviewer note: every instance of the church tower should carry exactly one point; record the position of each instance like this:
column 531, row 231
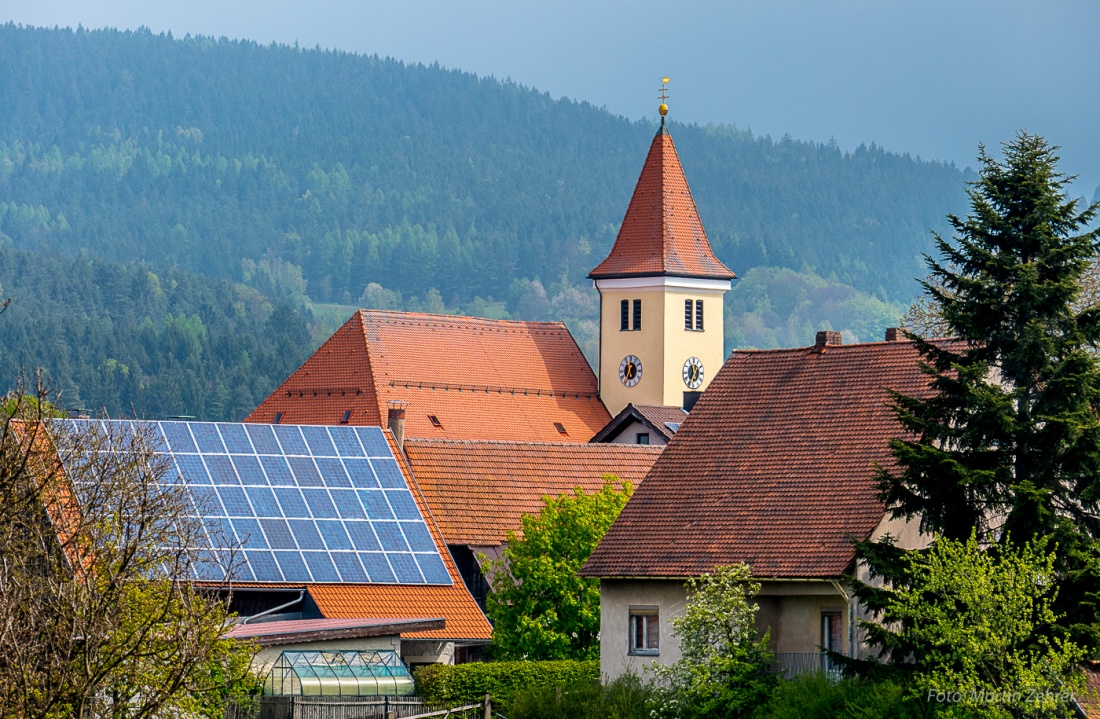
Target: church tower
column 661, row 288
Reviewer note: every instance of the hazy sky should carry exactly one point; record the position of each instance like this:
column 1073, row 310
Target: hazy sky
column 929, row 77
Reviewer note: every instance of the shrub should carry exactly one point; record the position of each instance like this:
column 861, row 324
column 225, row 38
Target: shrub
column 817, row 696
column 461, row 683
column 725, row 669
column 624, row 698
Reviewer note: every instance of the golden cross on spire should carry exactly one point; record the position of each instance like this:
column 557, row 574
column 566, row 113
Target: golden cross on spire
column 663, row 95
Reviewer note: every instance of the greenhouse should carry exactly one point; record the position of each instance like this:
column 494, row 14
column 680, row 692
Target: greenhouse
column 339, row 673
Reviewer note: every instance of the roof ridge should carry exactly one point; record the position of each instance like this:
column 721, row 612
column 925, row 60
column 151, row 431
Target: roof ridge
column 525, row 443
column 834, row 348
column 379, row 314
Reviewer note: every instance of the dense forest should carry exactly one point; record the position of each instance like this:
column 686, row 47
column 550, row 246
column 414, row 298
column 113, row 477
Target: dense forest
column 129, row 340
column 320, row 181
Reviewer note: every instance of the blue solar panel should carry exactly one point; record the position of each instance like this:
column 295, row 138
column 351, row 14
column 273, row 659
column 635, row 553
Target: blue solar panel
column 306, row 504
column 236, row 439
column 263, row 439
column 347, row 443
column 373, row 442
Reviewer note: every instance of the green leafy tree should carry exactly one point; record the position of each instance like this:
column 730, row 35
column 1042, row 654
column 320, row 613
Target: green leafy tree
column 976, row 632
column 539, row 607
column 725, row 670
column 1007, row 448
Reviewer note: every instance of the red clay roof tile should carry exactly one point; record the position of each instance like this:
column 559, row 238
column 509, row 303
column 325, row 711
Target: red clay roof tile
column 481, row 379
column 479, row 490
column 774, row 467
column 661, row 233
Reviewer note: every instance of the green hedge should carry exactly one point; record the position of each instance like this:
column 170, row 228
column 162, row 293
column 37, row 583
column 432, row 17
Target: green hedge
column 462, row 683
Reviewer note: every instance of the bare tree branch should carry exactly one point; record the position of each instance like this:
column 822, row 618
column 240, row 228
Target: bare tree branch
column 100, row 610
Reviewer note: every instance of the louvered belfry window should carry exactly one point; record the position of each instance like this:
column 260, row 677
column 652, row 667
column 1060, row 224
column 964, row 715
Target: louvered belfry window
column 699, row 315
column 687, row 315
column 637, row 315
column 624, row 316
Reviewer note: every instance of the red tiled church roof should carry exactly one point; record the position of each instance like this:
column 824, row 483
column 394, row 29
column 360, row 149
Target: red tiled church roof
column 479, row 490
column 661, row 233
column 773, row 467
column 479, row 378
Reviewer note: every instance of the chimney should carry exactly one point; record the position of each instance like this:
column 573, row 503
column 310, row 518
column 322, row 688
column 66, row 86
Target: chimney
column 827, row 337
column 395, row 422
column 893, row 334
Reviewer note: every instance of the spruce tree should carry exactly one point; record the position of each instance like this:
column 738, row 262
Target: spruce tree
column 1007, row 447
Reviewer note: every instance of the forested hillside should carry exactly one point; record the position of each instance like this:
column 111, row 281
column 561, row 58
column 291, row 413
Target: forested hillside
column 326, row 177
column 129, row 340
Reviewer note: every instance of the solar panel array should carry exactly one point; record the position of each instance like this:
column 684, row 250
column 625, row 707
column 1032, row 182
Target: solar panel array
column 304, row 503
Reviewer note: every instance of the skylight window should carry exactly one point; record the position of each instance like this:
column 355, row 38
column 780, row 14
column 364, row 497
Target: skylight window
column 347, row 417
column 435, row 421
column 561, row 428
column 278, row 417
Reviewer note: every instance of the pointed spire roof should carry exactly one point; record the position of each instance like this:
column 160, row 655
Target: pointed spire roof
column 662, row 233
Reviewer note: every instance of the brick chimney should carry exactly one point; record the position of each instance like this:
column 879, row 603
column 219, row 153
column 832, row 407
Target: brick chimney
column 395, row 421
column 827, row 337
column 893, row 334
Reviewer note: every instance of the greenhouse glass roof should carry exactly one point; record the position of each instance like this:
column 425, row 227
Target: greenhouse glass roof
column 339, row 673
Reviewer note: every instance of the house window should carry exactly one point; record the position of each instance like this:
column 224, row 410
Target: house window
column 699, row 315
column 642, row 438
column 830, row 631
column 687, row 316
column 624, row 316
column 637, row 315
column 645, row 630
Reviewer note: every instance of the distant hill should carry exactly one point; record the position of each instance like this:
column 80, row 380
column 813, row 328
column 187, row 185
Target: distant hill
column 312, row 176
column 131, row 341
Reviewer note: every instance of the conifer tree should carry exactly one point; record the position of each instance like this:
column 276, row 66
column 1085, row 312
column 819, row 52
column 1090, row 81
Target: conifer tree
column 1007, row 448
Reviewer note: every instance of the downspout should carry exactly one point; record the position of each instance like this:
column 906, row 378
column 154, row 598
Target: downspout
column 273, row 610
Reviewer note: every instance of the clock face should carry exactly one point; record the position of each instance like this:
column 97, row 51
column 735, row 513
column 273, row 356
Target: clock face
column 693, row 372
column 630, row 370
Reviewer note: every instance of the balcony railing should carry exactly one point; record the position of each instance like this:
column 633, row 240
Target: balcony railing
column 793, row 664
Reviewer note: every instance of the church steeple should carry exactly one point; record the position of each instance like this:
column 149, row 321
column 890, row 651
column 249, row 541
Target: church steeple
column 661, row 233
column 661, row 337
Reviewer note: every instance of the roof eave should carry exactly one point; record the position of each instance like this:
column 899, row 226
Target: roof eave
column 662, row 273
column 323, row 635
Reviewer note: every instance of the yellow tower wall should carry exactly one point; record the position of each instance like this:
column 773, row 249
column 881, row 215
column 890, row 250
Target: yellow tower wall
column 662, row 344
